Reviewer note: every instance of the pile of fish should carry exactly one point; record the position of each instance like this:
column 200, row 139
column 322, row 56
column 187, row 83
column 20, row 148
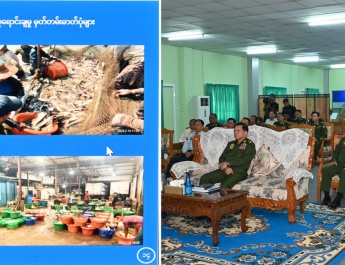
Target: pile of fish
column 67, row 99
column 43, row 122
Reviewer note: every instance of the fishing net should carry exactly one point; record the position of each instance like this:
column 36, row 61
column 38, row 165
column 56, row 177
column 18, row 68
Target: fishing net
column 89, row 105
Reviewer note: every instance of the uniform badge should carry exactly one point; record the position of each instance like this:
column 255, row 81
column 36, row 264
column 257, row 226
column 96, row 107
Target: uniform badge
column 231, row 146
column 243, row 146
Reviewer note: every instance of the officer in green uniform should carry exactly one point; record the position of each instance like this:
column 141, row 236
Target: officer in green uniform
column 234, row 161
column 336, row 167
column 299, row 119
column 213, row 121
column 320, row 130
column 281, row 122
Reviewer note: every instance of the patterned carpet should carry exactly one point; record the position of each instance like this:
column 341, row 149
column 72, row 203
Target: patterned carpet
column 317, row 237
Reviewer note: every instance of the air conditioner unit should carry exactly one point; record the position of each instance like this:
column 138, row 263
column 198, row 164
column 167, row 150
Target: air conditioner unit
column 202, row 108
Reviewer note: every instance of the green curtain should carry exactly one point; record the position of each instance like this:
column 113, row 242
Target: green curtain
column 309, row 91
column 274, row 90
column 224, row 101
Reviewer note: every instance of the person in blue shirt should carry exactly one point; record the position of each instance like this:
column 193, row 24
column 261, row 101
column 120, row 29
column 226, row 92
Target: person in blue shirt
column 187, row 148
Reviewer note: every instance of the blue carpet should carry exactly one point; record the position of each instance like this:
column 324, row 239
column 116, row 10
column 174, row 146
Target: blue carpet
column 317, row 237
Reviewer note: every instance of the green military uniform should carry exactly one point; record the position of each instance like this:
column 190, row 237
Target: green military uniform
column 300, row 121
column 211, row 126
column 320, row 132
column 330, row 171
column 284, row 125
column 239, row 156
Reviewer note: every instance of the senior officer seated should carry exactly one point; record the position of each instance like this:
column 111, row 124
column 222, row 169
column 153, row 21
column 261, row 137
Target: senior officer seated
column 234, row 161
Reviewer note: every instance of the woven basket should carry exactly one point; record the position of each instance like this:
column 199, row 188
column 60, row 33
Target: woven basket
column 23, row 117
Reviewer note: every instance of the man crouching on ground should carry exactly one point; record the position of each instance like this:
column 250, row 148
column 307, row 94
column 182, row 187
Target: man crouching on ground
column 234, row 161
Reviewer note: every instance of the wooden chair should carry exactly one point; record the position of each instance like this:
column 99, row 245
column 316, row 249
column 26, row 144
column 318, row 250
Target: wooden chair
column 322, row 161
column 306, row 128
column 167, row 138
column 327, row 143
column 275, row 128
column 339, row 127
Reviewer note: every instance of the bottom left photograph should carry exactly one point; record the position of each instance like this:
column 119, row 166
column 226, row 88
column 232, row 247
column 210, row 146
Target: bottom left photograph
column 71, row 200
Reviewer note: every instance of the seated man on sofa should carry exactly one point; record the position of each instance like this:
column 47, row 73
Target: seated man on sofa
column 234, row 161
column 187, row 147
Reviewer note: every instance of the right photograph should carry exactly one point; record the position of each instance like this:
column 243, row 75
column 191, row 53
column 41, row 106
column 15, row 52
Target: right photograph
column 252, row 163
column 71, row 90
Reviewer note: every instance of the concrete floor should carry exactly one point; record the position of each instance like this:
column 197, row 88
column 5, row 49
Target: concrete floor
column 43, row 233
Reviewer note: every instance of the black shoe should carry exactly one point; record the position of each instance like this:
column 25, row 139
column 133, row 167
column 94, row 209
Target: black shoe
column 334, row 205
column 326, row 201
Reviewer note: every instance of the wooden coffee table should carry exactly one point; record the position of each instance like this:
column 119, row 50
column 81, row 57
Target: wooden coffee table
column 211, row 205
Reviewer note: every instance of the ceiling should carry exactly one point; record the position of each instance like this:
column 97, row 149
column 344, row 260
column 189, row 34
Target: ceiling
column 233, row 26
column 98, row 167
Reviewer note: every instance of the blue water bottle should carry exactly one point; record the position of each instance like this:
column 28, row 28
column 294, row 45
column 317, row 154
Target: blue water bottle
column 188, row 185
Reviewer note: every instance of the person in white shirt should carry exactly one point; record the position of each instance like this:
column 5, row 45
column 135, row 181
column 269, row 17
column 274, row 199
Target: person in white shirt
column 187, row 148
column 187, row 131
column 272, row 118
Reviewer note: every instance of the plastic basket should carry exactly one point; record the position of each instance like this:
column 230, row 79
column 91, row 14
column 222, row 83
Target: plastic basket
column 87, row 230
column 30, row 220
column 73, row 228
column 23, row 117
column 58, row 226
column 5, row 214
column 13, row 224
column 56, row 69
column 125, row 241
column 15, row 215
column 98, row 222
column 106, row 233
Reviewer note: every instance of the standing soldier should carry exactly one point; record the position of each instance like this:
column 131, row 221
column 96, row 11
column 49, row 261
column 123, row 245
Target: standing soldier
column 234, row 161
column 320, row 130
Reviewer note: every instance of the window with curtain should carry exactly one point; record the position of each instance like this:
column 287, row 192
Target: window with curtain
column 309, row 91
column 274, row 90
column 224, row 101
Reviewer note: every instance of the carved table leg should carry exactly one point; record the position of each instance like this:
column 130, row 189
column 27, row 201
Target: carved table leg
column 215, row 224
column 244, row 212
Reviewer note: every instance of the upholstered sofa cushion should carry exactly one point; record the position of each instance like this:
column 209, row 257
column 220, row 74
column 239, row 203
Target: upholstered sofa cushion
column 263, row 163
column 271, row 188
column 300, row 162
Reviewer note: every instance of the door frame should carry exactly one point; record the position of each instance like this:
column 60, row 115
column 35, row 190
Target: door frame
column 172, row 87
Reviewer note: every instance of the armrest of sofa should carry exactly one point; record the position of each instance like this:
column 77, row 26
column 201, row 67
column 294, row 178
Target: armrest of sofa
column 179, row 169
column 297, row 174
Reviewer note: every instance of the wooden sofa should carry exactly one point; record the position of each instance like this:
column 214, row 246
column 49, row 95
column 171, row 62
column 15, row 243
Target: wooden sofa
column 286, row 187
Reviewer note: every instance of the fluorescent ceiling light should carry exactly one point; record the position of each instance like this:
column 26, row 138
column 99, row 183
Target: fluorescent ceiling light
column 306, row 59
column 262, row 51
column 335, row 66
column 186, row 37
column 326, row 22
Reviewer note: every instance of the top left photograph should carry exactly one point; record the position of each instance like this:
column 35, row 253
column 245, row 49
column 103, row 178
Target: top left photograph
column 71, row 90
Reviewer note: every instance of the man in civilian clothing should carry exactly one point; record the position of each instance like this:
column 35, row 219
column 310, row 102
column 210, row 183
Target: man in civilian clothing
column 288, row 110
column 187, row 147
